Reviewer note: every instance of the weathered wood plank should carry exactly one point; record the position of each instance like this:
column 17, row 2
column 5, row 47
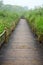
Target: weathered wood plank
column 2, row 37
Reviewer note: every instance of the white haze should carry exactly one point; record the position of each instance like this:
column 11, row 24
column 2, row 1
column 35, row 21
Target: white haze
column 28, row 3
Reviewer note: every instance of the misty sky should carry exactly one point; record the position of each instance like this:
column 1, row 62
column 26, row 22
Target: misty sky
column 29, row 3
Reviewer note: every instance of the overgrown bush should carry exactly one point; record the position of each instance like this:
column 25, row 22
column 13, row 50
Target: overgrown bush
column 35, row 19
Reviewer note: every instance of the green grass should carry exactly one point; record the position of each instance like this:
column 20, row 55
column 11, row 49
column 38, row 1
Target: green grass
column 35, row 19
column 7, row 19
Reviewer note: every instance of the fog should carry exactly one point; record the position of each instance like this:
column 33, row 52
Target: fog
column 28, row 3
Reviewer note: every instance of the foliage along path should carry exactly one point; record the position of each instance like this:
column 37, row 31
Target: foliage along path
column 22, row 48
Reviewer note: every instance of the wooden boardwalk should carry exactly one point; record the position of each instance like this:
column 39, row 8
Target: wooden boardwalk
column 22, row 48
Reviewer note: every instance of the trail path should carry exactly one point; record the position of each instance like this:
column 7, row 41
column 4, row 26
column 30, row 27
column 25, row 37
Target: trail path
column 22, row 48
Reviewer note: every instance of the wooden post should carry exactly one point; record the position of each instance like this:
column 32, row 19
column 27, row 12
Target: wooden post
column 6, row 35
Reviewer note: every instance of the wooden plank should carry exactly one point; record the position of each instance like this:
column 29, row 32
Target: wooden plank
column 2, row 37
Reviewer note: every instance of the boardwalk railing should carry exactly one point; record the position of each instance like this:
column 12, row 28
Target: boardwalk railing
column 2, row 37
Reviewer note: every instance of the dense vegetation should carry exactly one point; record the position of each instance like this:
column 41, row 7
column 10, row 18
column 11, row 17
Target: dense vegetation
column 35, row 19
column 9, row 15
